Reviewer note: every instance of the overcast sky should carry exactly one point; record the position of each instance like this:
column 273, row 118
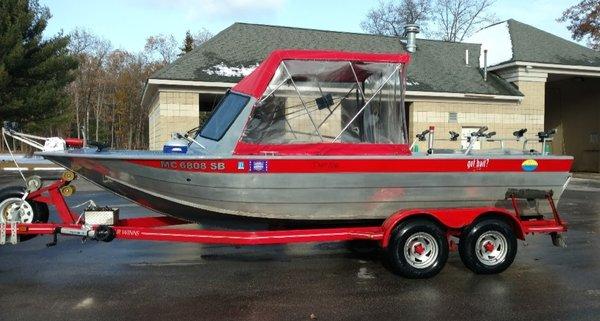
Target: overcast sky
column 127, row 23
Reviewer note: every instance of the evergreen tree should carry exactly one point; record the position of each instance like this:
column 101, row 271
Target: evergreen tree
column 188, row 43
column 33, row 71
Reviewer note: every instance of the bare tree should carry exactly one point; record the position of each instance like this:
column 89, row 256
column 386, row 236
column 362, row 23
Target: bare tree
column 201, row 36
column 80, row 41
column 584, row 21
column 90, row 51
column 457, row 19
column 163, row 45
column 390, row 17
column 451, row 20
column 105, row 94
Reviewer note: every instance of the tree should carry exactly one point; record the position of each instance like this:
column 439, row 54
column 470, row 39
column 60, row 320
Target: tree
column 188, row 44
column 449, row 20
column 584, row 22
column 458, row 19
column 201, row 36
column 106, row 92
column 33, row 71
column 390, row 17
column 165, row 46
column 88, row 88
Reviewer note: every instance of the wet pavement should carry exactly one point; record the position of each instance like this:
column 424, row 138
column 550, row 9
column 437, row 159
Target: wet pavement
column 134, row 280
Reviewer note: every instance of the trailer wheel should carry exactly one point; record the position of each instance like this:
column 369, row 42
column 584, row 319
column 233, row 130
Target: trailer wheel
column 13, row 208
column 488, row 247
column 418, row 249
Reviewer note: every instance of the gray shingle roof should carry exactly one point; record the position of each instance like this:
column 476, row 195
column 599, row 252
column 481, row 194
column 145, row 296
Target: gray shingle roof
column 534, row 45
column 437, row 66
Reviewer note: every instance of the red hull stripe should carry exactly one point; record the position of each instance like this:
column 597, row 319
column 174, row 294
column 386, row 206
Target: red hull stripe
column 355, row 165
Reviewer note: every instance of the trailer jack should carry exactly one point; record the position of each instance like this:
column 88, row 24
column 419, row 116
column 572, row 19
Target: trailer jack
column 558, row 239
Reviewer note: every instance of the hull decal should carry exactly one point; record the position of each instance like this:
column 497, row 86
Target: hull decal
column 529, row 165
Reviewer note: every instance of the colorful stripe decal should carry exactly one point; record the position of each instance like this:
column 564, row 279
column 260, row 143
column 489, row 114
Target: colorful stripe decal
column 359, row 165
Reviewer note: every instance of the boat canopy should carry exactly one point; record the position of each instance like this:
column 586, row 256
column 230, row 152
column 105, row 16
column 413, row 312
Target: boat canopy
column 321, row 103
column 256, row 82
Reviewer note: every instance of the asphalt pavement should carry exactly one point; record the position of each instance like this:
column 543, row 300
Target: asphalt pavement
column 135, row 280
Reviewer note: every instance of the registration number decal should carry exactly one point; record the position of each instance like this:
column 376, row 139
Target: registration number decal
column 194, row 165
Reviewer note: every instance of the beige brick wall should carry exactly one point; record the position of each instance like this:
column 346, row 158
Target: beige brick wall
column 502, row 117
column 172, row 111
column 153, row 125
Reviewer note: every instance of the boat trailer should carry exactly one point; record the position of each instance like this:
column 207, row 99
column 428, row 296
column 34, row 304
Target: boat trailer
column 104, row 224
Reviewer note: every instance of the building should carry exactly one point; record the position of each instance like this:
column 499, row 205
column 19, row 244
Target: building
column 534, row 80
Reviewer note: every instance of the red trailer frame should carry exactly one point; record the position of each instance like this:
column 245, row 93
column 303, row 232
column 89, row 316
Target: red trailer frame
column 153, row 228
column 409, row 237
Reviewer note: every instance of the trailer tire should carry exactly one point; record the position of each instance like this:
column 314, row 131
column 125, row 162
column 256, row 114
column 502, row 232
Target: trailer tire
column 39, row 211
column 489, row 246
column 418, row 249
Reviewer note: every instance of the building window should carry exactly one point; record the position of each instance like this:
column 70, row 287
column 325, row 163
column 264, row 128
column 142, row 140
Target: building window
column 452, row 117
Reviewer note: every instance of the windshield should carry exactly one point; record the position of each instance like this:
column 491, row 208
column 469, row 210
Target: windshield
column 330, row 101
column 224, row 115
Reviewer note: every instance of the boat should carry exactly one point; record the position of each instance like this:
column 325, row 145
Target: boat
column 315, row 136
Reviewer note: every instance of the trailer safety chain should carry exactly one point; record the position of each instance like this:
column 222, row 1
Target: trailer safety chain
column 90, row 204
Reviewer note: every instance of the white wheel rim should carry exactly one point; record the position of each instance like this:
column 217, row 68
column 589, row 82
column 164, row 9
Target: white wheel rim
column 15, row 209
column 491, row 248
column 421, row 250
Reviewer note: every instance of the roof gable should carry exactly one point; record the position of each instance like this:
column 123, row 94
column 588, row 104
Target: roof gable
column 535, row 45
column 511, row 40
column 437, row 66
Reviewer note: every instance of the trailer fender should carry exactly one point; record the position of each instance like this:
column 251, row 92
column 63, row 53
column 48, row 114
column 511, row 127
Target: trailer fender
column 450, row 218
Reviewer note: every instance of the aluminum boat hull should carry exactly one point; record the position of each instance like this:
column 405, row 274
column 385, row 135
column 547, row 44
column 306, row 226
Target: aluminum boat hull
column 313, row 188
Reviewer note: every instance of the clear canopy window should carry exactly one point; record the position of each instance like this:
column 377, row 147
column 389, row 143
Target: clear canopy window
column 223, row 117
column 330, row 101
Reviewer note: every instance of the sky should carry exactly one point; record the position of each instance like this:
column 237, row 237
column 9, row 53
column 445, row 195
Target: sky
column 127, row 23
